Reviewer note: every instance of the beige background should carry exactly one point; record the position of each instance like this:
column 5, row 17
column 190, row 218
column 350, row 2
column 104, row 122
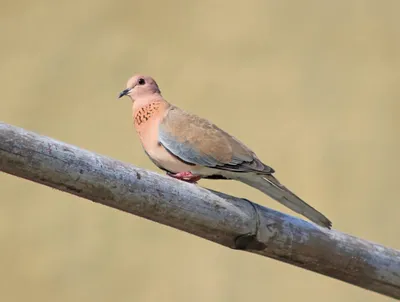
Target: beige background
column 311, row 86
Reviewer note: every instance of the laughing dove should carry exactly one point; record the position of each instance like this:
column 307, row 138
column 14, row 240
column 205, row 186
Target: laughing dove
column 189, row 148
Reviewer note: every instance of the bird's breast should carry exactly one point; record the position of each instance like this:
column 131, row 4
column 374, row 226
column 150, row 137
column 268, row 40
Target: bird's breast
column 147, row 120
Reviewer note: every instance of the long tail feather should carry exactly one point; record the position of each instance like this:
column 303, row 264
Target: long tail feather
column 269, row 185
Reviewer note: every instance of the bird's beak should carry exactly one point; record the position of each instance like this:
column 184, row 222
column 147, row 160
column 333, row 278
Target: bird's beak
column 124, row 92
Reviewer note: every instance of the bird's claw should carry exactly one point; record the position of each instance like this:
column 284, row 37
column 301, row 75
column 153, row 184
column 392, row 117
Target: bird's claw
column 185, row 176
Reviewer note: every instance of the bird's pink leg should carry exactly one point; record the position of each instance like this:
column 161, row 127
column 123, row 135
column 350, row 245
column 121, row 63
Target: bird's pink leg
column 185, row 176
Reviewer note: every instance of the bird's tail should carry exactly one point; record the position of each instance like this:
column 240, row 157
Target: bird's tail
column 269, row 185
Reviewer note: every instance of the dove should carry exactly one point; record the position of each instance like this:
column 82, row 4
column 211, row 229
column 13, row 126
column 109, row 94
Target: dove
column 190, row 148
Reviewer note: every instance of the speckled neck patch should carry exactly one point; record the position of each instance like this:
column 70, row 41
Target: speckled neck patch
column 146, row 112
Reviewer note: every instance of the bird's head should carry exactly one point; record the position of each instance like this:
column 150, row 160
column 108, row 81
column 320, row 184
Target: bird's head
column 140, row 86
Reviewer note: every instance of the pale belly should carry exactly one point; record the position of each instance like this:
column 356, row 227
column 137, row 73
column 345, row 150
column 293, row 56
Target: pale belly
column 157, row 152
column 166, row 160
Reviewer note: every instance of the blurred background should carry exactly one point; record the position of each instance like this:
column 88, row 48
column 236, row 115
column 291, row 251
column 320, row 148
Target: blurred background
column 311, row 86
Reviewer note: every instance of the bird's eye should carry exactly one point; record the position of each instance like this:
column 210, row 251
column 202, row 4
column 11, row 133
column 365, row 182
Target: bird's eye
column 141, row 82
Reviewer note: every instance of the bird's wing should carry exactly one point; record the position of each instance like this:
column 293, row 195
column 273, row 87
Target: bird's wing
column 197, row 141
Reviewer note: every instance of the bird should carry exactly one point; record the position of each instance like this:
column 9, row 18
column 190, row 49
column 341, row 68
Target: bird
column 189, row 148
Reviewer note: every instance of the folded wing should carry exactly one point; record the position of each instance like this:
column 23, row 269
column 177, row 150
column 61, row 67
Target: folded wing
column 197, row 141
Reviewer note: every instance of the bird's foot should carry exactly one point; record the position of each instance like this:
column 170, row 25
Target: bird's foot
column 185, row 176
